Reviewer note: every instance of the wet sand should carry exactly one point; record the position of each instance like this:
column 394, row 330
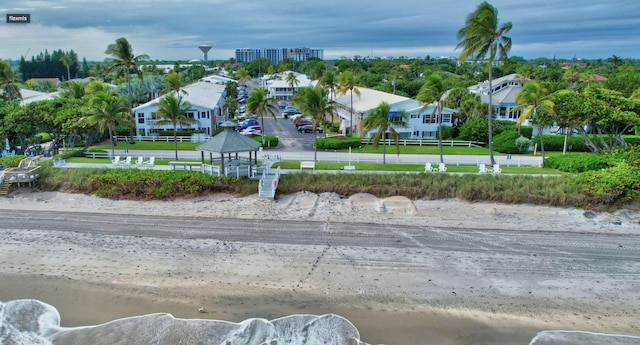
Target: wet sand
column 87, row 297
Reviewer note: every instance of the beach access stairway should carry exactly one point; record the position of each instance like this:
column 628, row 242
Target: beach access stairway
column 268, row 183
column 26, row 173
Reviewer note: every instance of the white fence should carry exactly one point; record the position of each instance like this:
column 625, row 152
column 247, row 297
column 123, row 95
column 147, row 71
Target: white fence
column 198, row 138
column 419, row 142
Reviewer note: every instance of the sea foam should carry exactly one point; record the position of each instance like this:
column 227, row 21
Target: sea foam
column 29, row 322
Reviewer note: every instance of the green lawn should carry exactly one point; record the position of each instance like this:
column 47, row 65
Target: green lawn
column 415, row 168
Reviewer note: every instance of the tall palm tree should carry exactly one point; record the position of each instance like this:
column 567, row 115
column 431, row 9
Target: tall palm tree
column 67, row 61
column 121, row 62
column 292, row 81
column 106, row 109
column 243, row 76
column 330, row 83
column 381, row 120
column 537, row 104
column 347, row 82
column 175, row 83
column 313, row 101
column 482, row 39
column 431, row 92
column 260, row 103
column 9, row 82
column 172, row 110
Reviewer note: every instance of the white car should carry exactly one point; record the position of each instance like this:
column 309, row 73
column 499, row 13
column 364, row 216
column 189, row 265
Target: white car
column 251, row 131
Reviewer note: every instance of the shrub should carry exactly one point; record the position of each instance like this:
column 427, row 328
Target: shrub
column 523, row 144
column 337, row 143
column 505, row 142
column 475, row 130
column 555, row 142
column 578, row 162
column 612, row 186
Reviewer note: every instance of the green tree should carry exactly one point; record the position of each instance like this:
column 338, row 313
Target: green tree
column 123, row 61
column 72, row 90
column 172, row 110
column 67, row 61
column 175, row 83
column 483, row 39
column 330, row 83
column 347, row 83
column 105, row 110
column 431, row 92
column 384, row 122
column 260, row 103
column 243, row 76
column 313, row 101
column 292, row 81
column 8, row 82
column 536, row 104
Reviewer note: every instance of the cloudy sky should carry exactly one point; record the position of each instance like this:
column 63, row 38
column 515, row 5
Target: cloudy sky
column 174, row 29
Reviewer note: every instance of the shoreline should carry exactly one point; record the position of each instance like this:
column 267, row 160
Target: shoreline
column 93, row 278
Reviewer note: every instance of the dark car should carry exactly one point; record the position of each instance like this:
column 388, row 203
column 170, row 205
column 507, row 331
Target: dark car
column 309, row 129
column 303, row 122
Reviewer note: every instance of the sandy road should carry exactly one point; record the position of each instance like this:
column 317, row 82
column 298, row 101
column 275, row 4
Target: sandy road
column 553, row 279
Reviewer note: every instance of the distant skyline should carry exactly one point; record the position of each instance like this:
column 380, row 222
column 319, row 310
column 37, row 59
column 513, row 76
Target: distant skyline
column 173, row 30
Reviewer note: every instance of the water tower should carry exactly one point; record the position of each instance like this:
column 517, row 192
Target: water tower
column 205, row 49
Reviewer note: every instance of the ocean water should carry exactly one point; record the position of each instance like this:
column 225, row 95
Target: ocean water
column 32, row 322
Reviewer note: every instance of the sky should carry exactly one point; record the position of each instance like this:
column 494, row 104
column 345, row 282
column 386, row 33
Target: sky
column 173, row 30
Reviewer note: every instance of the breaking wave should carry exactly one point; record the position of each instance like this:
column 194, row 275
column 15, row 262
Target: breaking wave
column 32, row 322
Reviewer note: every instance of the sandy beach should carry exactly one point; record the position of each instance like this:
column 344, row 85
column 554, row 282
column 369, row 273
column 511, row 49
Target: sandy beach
column 394, row 294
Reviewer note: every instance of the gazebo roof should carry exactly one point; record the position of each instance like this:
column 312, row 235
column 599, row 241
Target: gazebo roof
column 229, row 141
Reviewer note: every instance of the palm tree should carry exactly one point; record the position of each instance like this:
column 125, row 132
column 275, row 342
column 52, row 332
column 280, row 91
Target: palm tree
column 9, row 82
column 381, row 120
column 313, row 101
column 174, row 83
column 347, row 82
column 122, row 61
column 431, row 92
column 537, row 105
column 73, row 89
column 292, row 81
column 172, row 110
column 482, row 38
column 243, row 76
column 107, row 109
column 260, row 103
column 330, row 82
column 67, row 61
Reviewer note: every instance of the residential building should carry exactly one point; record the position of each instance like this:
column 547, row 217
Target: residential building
column 207, row 98
column 278, row 54
column 503, row 94
column 281, row 90
column 421, row 123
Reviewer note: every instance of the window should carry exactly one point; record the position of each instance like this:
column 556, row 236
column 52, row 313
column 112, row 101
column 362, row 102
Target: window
column 141, row 118
column 415, row 116
column 426, row 118
column 190, row 115
column 446, row 118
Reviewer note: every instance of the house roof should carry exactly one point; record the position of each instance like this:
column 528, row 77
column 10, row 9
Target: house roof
column 229, row 141
column 505, row 89
column 203, row 94
column 29, row 96
column 369, row 99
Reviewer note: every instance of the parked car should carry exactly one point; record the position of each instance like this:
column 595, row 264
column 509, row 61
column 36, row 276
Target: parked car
column 251, row 131
column 246, row 123
column 286, row 114
column 309, row 129
column 290, row 108
column 257, row 127
column 303, row 122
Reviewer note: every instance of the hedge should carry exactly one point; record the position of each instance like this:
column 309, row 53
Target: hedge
column 337, row 143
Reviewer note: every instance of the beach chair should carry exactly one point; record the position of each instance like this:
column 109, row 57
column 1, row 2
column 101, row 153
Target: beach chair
column 429, row 168
column 483, row 169
column 139, row 160
column 150, row 162
column 116, row 160
column 127, row 161
column 442, row 167
column 496, row 169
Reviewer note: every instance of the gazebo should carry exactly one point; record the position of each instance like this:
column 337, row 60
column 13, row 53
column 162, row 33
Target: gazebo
column 228, row 142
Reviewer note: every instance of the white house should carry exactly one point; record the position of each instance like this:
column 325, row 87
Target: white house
column 421, row 123
column 281, row 90
column 503, row 94
column 207, row 100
